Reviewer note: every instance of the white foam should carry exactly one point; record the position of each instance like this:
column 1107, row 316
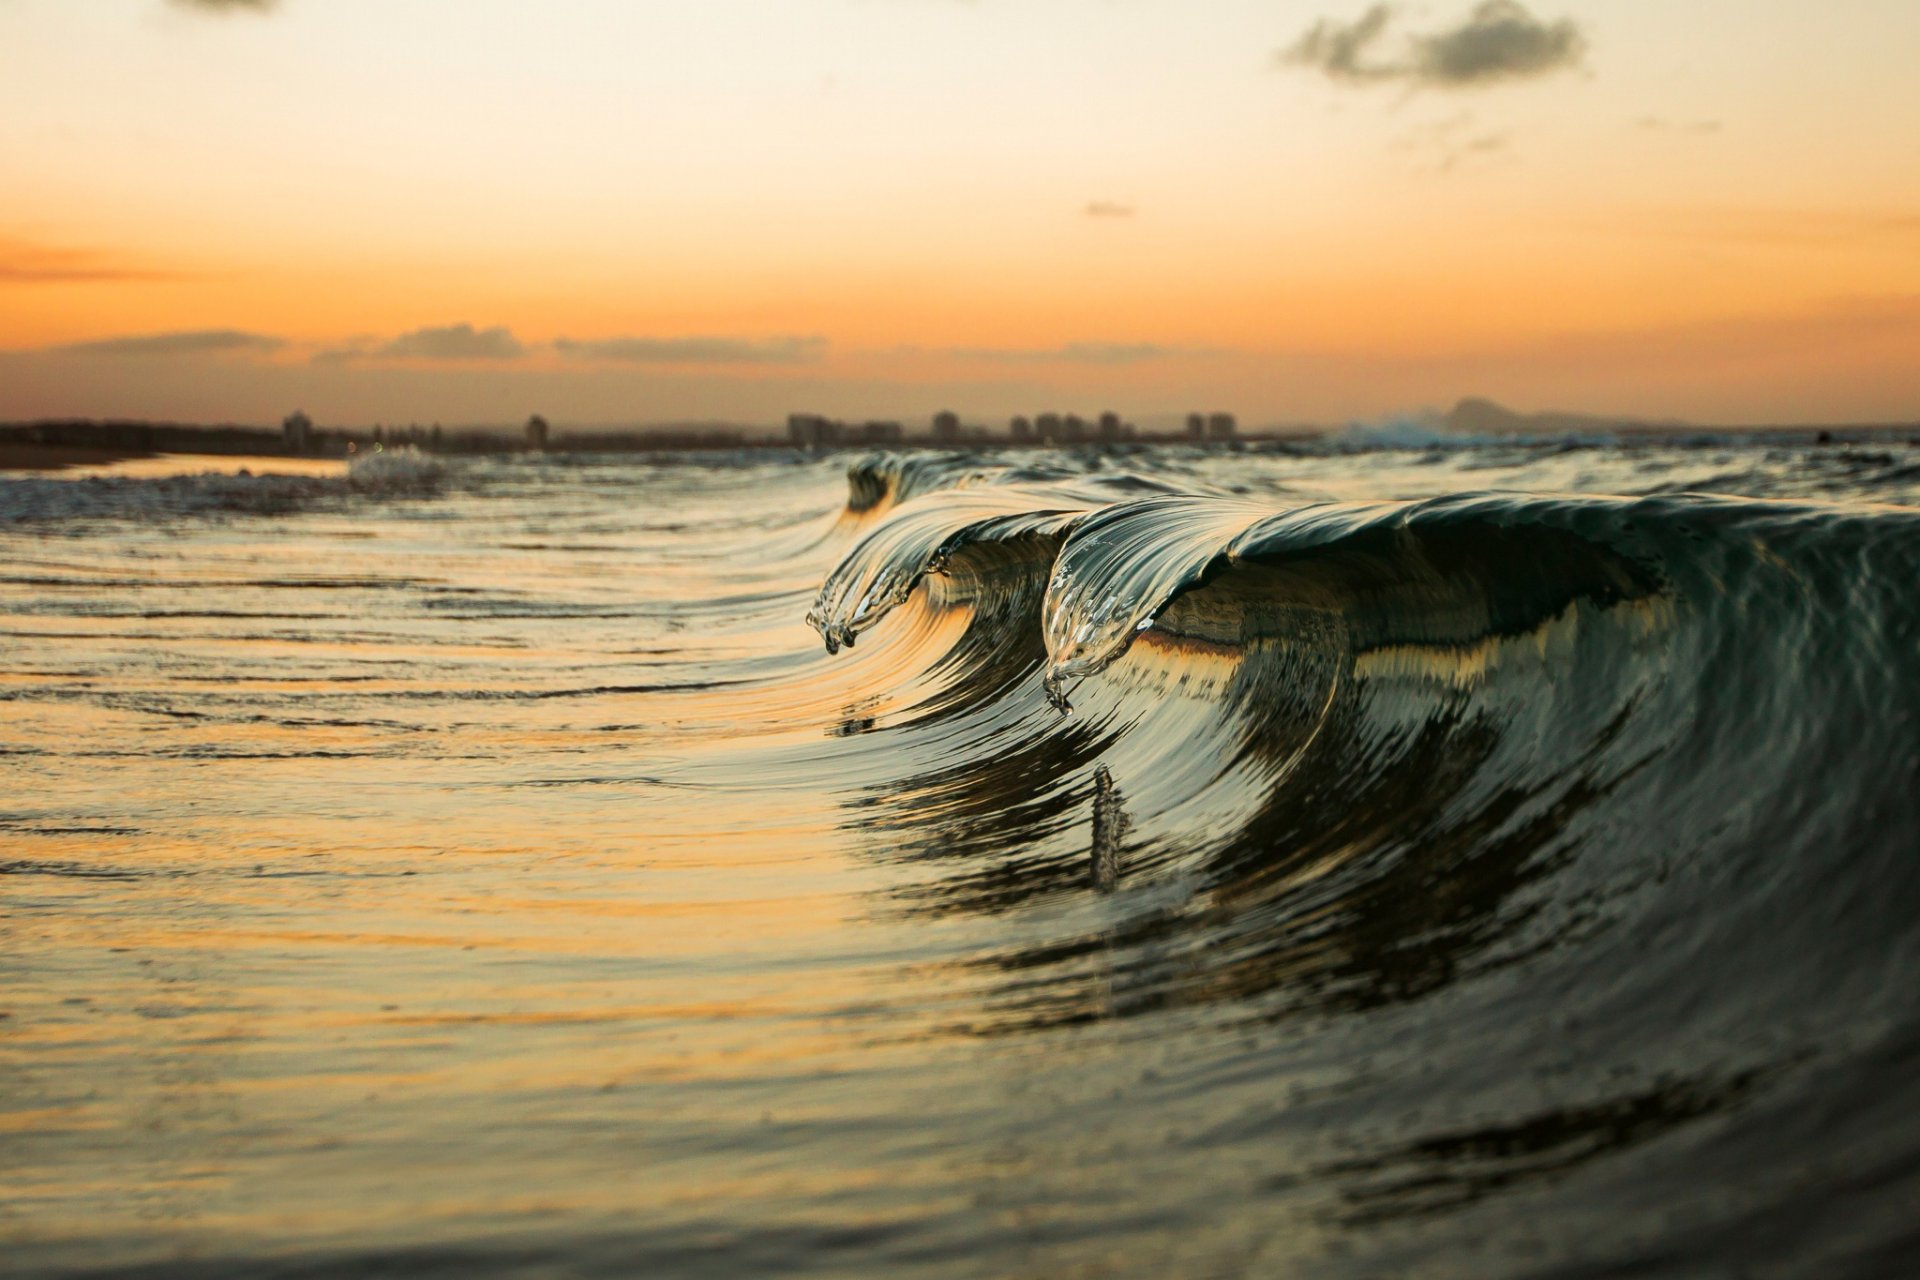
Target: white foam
column 111, row 495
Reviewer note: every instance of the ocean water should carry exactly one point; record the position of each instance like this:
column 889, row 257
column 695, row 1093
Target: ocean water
column 1476, row 859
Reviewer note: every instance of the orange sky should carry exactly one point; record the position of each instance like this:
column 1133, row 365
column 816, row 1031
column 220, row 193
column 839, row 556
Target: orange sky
column 465, row 210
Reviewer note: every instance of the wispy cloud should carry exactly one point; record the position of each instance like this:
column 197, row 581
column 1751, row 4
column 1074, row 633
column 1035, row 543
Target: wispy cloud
column 452, row 342
column 1113, row 352
column 1107, row 209
column 226, row 6
column 345, row 352
column 1107, row 353
column 1454, row 143
column 1339, row 49
column 697, row 350
column 23, row 263
column 1660, row 124
column 1499, row 41
column 197, row 342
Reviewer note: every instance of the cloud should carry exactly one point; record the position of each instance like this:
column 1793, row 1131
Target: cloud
column 1336, row 49
column 1107, row 353
column 1111, row 352
column 1499, row 41
column 697, row 350
column 23, row 263
column 345, row 352
column 1660, row 124
column 1107, row 209
column 198, row 342
column 1468, row 150
column 1453, row 143
column 452, row 342
column 226, row 6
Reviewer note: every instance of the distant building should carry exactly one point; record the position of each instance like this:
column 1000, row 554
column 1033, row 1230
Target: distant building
column 1221, row 426
column 1073, row 429
column 1110, row 429
column 1046, row 428
column 811, row 431
column 881, row 433
column 1196, row 426
column 1021, row 429
column 536, row 433
column 946, row 426
column 296, row 432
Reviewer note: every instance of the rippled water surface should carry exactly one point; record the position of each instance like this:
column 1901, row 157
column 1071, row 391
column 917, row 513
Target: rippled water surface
column 1465, row 862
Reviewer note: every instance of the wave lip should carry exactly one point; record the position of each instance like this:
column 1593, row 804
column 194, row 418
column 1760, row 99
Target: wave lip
column 877, row 481
column 1452, row 569
column 931, row 537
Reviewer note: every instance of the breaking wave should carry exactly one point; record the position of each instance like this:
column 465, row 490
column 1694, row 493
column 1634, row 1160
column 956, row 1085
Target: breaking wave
column 392, row 473
column 1623, row 789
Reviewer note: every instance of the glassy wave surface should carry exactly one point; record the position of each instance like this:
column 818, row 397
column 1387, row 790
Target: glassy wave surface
column 1489, row 860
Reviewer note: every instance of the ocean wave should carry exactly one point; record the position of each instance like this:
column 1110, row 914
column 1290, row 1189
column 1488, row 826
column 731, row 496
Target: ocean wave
column 1450, row 568
column 1366, row 752
column 388, row 474
column 1626, row 786
column 1503, row 883
column 1424, row 434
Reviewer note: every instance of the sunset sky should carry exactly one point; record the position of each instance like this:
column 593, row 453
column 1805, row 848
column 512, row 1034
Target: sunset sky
column 637, row 211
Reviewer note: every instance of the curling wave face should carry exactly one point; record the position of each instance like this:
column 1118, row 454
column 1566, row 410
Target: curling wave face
column 1620, row 792
column 1497, row 861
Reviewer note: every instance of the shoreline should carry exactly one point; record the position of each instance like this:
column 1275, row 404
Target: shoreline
column 97, row 447
column 23, row 460
column 21, row 456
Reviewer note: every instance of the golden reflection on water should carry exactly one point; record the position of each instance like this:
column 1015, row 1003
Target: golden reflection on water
column 165, row 465
column 308, row 887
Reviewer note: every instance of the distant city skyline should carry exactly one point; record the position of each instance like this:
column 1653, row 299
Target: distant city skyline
column 619, row 214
